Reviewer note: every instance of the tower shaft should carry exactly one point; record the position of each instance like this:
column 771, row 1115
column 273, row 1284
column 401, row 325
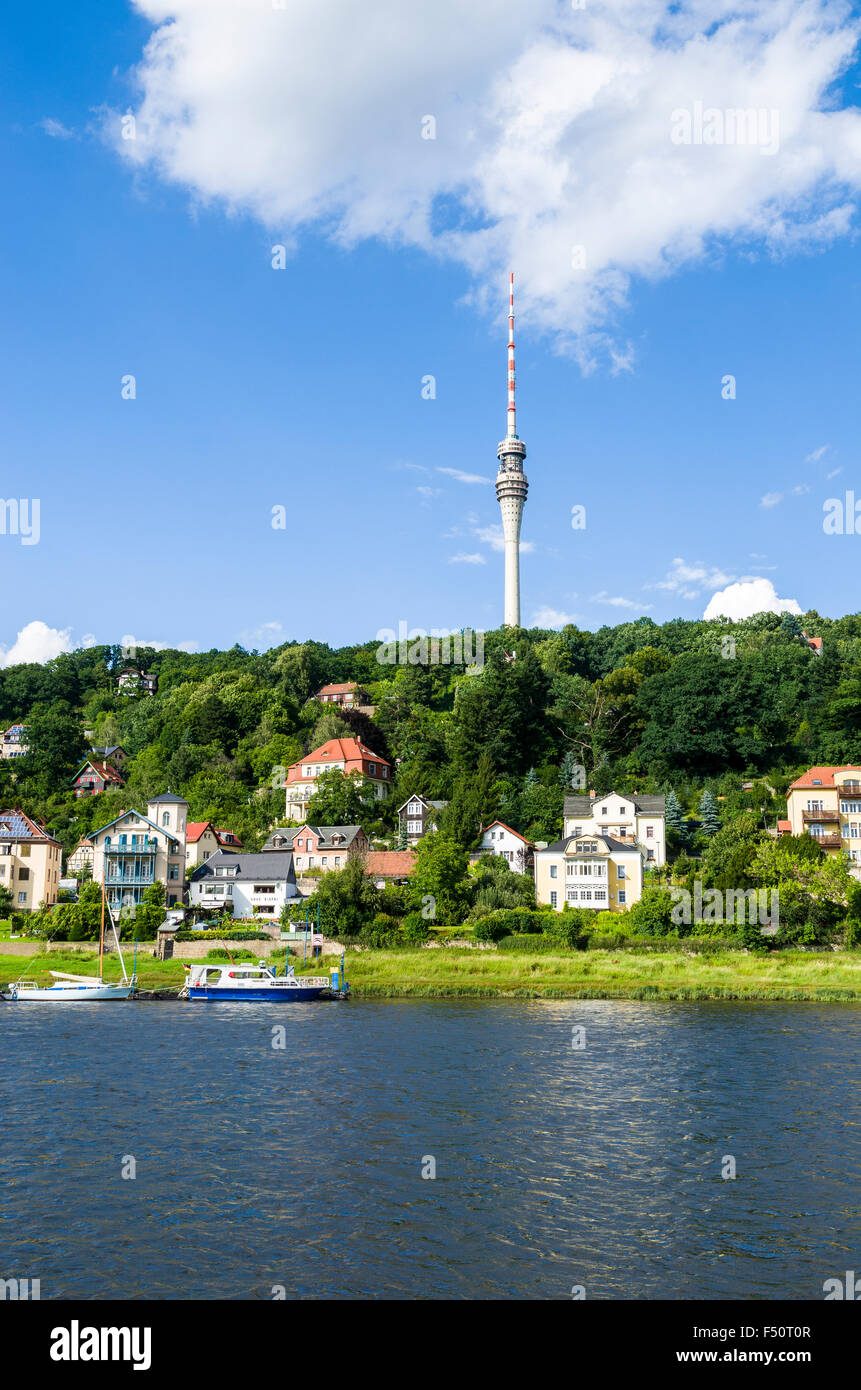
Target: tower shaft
column 511, row 484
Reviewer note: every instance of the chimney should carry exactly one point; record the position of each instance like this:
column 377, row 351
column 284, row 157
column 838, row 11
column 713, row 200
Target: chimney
column 592, row 793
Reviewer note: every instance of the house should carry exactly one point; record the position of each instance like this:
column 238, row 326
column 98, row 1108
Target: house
column 638, row 819
column 251, row 885
column 137, row 683
column 14, row 743
column 814, row 643
column 592, row 871
column 92, row 778
column 826, row 803
column 418, row 817
column 390, row 865
column 349, row 755
column 318, row 846
column 114, row 754
column 203, row 839
column 30, row 861
column 499, row 838
column 133, row 851
column 81, row 858
column 347, row 696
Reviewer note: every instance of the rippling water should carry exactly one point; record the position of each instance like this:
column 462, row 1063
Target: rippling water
column 555, row 1167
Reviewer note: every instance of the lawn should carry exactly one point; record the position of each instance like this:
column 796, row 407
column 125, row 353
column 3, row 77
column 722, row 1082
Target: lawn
column 456, row 972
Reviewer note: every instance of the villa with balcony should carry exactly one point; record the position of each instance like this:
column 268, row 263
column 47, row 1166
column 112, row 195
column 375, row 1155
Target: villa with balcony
column 247, row 885
column 826, row 803
column 134, row 851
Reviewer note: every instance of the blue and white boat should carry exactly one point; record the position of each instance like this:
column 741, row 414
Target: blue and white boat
column 255, row 983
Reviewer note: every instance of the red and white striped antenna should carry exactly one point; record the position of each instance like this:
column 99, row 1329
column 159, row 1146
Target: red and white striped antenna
column 512, row 409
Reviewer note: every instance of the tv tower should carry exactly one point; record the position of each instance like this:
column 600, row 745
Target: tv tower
column 511, row 485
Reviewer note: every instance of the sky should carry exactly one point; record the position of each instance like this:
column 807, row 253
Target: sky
column 688, row 293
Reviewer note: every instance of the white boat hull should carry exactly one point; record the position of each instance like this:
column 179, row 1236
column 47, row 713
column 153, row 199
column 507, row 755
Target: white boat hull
column 68, row 994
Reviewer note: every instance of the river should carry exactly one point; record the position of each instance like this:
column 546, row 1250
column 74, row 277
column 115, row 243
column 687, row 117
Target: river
column 279, row 1151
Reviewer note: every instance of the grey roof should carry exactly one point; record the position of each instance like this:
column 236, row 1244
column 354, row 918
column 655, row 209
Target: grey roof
column 275, row 865
column 417, row 796
column 559, row 846
column 168, row 797
column 582, row 805
column 325, row 832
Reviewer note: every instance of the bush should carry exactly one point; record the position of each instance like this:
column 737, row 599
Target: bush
column 532, row 945
column 237, row 935
column 652, row 915
column 218, row 954
column 415, row 929
column 487, row 929
column 505, row 920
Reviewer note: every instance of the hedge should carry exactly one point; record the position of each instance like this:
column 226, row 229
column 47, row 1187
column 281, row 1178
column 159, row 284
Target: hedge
column 216, row 935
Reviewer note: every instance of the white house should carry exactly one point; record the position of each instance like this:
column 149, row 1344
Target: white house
column 637, row 819
column 499, row 838
column 251, row 885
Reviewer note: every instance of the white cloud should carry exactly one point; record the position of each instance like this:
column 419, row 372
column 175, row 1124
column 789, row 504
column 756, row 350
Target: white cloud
column 552, row 131
column 461, row 477
column 131, row 643
column 36, row 642
column 494, row 537
column 833, row 473
column 800, row 490
column 428, row 492
column 265, row 635
column 816, row 455
column 616, row 602
column 56, row 129
column 552, row 617
column 771, row 499
column 687, row 580
column 464, row 559
column 747, row 597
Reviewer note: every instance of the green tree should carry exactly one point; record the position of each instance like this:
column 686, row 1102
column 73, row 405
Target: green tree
column 440, row 881
column 709, row 816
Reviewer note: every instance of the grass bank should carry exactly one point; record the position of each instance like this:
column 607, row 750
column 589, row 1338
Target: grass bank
column 459, row 973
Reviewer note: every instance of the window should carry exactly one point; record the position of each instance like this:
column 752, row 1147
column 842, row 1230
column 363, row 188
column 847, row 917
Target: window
column 414, row 827
column 22, row 897
column 414, row 809
column 650, row 832
column 25, row 851
column 578, row 830
column 600, row 895
column 337, row 860
column 165, row 817
column 552, row 899
column 23, row 875
column 620, row 871
column 173, row 871
column 553, row 872
column 372, row 769
column 814, row 805
column 650, row 854
column 622, row 898
column 325, row 859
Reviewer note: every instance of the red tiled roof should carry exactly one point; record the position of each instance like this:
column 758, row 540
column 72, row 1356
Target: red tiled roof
column 516, row 833
column 103, row 770
column 346, row 750
column 229, row 837
column 815, row 642
column 338, row 689
column 194, row 829
column 784, row 827
column 390, row 863
column 822, row 776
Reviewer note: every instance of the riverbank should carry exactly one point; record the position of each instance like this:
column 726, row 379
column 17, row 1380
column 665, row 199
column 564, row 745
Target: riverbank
column 453, row 973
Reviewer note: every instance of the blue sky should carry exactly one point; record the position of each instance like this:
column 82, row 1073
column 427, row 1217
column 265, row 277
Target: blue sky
column 301, row 388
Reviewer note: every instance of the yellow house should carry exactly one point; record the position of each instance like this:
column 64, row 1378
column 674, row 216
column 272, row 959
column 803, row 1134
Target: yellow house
column 134, row 851
column 591, row 871
column 30, row 861
column 826, row 803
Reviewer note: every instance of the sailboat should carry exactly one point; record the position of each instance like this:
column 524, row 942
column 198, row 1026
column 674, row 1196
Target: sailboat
column 78, row 989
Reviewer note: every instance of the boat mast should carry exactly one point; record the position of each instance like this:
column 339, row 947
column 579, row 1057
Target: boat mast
column 102, row 920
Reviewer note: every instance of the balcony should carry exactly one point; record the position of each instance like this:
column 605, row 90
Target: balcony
column 828, row 841
column 816, row 817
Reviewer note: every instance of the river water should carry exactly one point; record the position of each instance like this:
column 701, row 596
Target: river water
column 263, row 1170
